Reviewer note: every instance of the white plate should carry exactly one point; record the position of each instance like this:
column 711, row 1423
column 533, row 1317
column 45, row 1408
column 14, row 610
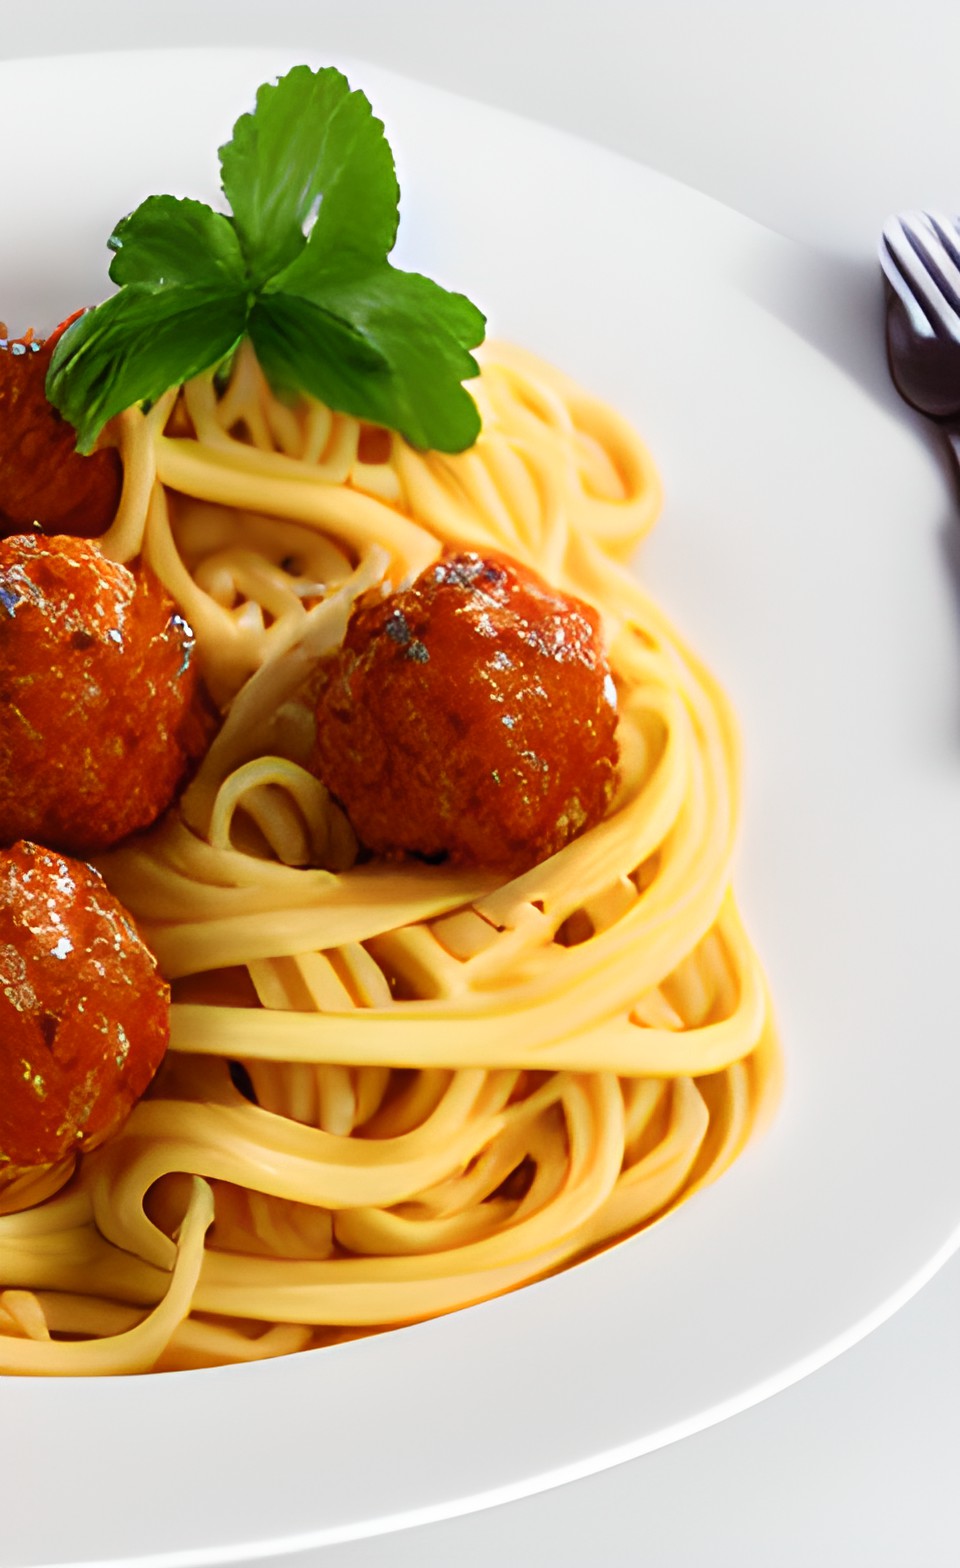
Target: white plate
column 801, row 550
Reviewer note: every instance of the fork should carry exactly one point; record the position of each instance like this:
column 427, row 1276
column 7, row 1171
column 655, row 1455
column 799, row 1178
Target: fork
column 920, row 257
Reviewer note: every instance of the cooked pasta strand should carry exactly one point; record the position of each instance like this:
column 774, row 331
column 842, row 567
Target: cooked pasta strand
column 394, row 1089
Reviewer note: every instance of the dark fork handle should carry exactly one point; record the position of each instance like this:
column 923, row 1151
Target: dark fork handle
column 951, row 434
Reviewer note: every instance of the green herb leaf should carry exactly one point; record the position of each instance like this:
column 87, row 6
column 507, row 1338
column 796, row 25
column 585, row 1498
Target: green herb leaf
column 327, row 313
column 310, row 138
column 420, row 332
column 137, row 345
column 169, row 240
column 291, row 336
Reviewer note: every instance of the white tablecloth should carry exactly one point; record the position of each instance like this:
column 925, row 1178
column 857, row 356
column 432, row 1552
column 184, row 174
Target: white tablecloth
column 818, row 119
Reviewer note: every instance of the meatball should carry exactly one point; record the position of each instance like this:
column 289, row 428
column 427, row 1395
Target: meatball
column 470, row 717
column 101, row 708
column 44, row 481
column 84, row 1015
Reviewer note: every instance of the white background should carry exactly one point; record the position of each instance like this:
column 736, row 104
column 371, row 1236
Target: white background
column 818, row 120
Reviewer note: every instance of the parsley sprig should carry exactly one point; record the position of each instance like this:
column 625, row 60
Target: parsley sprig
column 299, row 265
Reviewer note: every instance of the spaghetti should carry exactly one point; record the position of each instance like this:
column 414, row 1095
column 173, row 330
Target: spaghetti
column 394, row 1089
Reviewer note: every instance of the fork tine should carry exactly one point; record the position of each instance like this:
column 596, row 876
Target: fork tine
column 944, row 253
column 920, row 266
column 897, row 259
column 949, row 232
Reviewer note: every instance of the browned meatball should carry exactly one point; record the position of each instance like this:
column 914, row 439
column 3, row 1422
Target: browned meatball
column 471, row 716
column 44, row 481
column 101, row 709
column 84, row 1015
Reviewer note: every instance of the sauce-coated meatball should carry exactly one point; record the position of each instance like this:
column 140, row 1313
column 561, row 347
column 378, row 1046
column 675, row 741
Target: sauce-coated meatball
column 84, row 1015
column 44, row 481
column 471, row 716
column 101, row 708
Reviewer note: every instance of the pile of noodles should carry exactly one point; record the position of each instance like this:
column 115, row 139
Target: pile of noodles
column 393, row 1089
